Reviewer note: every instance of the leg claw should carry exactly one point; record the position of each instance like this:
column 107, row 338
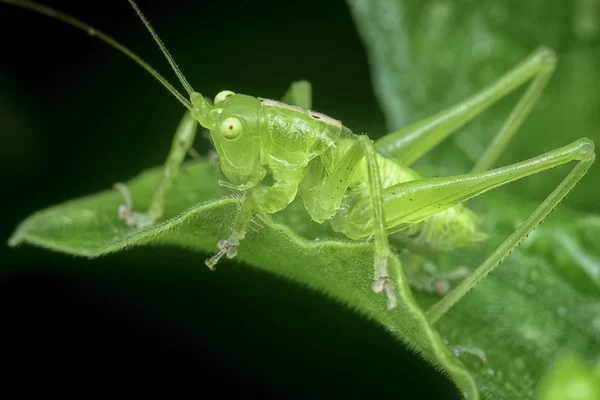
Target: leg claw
column 438, row 283
column 476, row 351
column 387, row 285
column 227, row 248
column 126, row 213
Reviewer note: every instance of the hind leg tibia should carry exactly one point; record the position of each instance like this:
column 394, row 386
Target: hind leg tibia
column 410, row 143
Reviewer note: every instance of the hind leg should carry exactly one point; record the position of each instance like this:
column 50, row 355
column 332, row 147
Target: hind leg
column 410, row 143
column 411, row 202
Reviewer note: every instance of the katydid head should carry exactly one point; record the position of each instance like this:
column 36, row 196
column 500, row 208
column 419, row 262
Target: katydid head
column 233, row 122
column 229, row 116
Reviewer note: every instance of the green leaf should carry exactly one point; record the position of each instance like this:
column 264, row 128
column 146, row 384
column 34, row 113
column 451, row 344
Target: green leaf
column 543, row 299
column 339, row 268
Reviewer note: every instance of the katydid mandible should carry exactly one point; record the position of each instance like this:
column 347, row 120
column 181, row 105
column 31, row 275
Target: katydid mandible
column 364, row 189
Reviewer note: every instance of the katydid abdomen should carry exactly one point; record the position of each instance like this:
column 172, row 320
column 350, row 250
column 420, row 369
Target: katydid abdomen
column 452, row 227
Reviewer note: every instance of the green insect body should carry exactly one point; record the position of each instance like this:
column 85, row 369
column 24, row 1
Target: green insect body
column 273, row 152
column 314, row 156
column 302, row 149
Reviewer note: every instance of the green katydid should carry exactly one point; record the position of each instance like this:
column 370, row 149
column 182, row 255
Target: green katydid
column 364, row 189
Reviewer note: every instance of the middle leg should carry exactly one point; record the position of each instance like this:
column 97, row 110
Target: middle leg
column 379, row 229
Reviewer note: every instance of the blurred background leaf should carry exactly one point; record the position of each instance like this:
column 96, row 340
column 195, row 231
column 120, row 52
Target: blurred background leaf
column 571, row 378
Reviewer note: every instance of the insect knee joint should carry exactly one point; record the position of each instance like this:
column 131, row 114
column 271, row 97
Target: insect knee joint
column 547, row 56
column 586, row 149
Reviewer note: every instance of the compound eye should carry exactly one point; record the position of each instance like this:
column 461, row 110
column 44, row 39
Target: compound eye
column 222, row 96
column 231, row 127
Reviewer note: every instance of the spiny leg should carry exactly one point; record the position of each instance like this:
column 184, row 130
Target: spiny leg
column 410, row 143
column 228, row 247
column 380, row 241
column 411, row 202
column 182, row 143
column 268, row 199
column 581, row 151
column 326, row 191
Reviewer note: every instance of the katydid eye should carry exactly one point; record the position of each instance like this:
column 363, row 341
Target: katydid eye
column 231, row 127
column 222, row 96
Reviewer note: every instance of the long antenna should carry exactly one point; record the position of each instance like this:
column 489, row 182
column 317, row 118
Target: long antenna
column 90, row 30
column 184, row 82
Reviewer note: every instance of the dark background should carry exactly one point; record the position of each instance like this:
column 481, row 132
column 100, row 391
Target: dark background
column 76, row 116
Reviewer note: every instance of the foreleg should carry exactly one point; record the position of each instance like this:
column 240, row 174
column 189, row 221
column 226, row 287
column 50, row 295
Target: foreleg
column 182, row 143
column 269, row 199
